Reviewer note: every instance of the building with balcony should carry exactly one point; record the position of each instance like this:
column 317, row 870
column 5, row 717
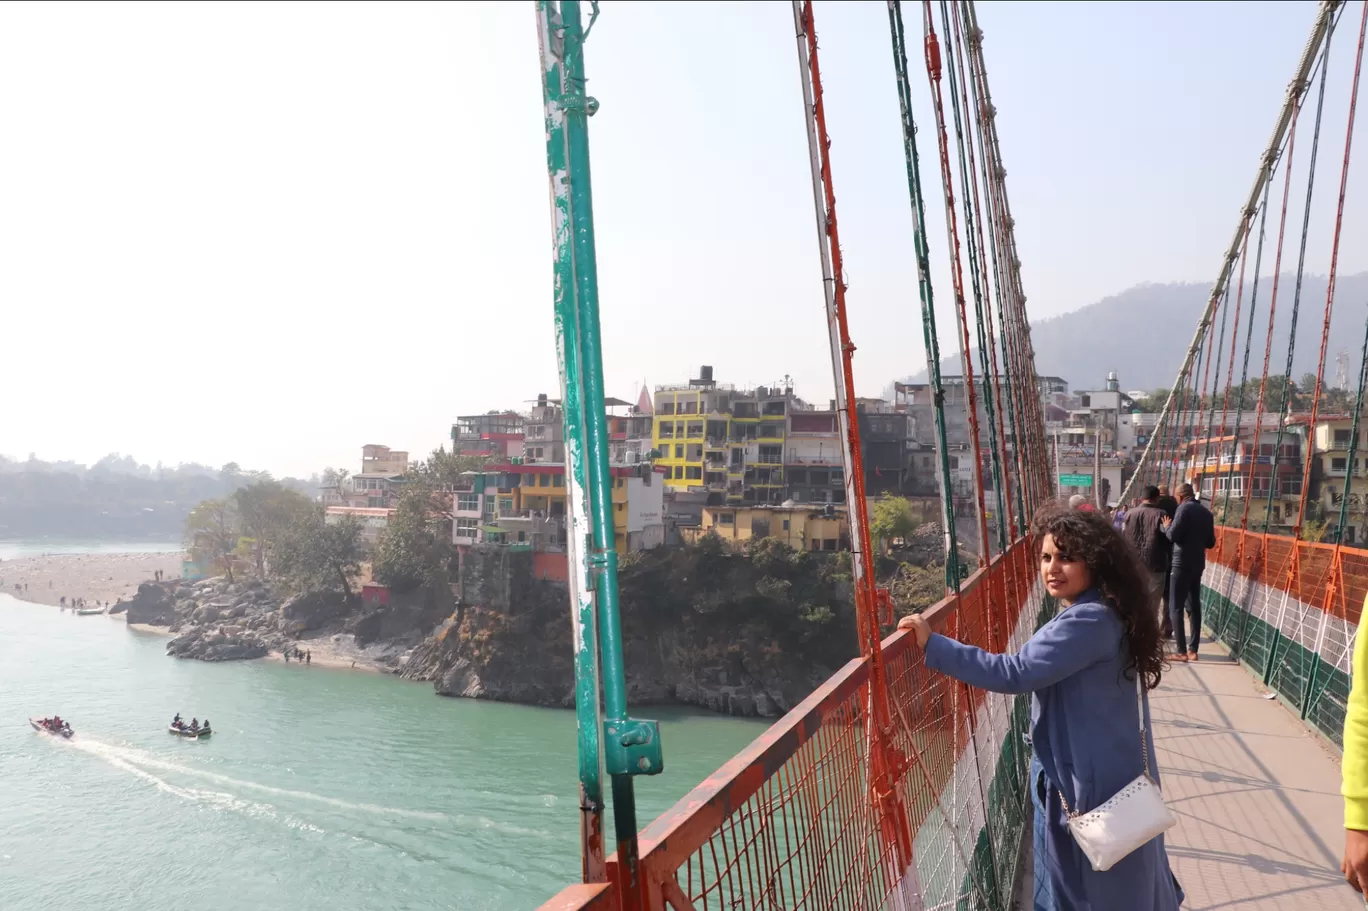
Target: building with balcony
column 523, row 504
column 373, row 521
column 727, row 441
column 498, row 435
column 802, row 527
column 1336, row 474
column 381, row 460
column 544, row 432
column 814, row 458
column 376, row 486
column 1227, row 470
column 631, row 430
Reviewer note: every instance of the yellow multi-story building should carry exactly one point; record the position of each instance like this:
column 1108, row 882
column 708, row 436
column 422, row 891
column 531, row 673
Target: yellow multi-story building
column 727, row 441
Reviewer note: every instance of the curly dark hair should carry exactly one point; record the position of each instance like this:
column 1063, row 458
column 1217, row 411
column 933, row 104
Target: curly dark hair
column 1117, row 572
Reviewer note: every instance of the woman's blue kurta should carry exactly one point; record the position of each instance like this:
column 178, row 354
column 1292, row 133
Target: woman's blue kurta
column 1086, row 735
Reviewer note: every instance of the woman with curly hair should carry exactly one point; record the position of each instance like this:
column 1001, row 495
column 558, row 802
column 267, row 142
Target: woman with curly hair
column 1080, row 669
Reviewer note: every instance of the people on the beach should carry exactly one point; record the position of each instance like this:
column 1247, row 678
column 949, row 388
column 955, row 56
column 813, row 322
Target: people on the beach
column 308, row 657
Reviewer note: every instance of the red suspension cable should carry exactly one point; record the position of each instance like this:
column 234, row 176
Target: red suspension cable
column 1330, row 288
column 1272, row 311
column 933, row 72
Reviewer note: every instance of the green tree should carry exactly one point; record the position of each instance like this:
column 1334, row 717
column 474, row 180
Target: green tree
column 268, row 509
column 314, row 553
column 436, row 478
column 892, row 519
column 211, row 533
column 415, row 547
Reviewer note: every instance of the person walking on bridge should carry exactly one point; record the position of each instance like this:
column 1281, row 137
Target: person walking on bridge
column 1144, row 529
column 1192, row 533
column 1354, row 785
column 1081, row 669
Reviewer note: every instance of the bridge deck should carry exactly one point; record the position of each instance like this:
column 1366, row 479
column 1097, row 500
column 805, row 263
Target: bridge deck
column 1256, row 792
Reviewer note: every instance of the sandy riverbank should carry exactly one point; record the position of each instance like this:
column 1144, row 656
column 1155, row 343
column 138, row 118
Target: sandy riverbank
column 94, row 577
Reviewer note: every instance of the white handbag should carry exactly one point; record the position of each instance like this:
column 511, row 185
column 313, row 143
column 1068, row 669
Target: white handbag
column 1133, row 816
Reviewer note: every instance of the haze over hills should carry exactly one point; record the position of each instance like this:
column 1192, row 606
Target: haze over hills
column 1142, row 333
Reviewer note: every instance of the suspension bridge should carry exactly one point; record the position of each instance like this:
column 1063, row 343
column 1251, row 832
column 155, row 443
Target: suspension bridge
column 891, row 786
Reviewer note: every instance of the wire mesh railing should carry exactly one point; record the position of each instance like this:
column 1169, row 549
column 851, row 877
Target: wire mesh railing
column 1289, row 611
column 796, row 820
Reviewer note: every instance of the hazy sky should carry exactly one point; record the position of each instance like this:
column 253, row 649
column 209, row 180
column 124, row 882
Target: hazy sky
column 271, row 233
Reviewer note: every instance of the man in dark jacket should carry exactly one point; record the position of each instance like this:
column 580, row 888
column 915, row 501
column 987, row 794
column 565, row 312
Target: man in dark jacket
column 1170, row 507
column 1193, row 533
column 1166, row 501
column 1144, row 528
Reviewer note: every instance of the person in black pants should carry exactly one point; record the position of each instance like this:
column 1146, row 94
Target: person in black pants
column 1169, row 505
column 1193, row 533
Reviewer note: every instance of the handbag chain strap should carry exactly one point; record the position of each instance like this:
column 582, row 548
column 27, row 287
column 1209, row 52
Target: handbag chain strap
column 1144, row 746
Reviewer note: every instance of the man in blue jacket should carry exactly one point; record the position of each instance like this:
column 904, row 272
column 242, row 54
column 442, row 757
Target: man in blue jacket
column 1193, row 533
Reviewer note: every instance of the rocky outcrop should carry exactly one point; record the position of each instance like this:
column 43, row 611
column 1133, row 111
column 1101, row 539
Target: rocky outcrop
column 218, row 620
column 154, row 604
column 739, row 633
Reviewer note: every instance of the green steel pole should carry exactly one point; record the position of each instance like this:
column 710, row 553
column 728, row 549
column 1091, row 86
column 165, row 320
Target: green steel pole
column 629, row 746
column 595, row 443
column 588, row 722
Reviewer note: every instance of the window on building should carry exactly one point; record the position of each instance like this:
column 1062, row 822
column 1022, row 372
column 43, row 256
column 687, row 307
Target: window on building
column 726, row 518
column 544, row 480
column 666, row 406
column 679, row 450
column 695, row 429
column 465, row 528
column 829, row 543
column 1342, row 437
column 667, row 430
column 468, row 502
column 786, row 525
column 1337, row 464
column 693, row 473
column 505, row 504
column 689, row 407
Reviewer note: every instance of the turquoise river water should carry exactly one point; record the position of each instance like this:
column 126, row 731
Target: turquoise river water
column 322, row 789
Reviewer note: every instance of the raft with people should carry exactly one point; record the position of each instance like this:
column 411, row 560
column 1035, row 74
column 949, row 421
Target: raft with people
column 54, row 726
column 192, row 731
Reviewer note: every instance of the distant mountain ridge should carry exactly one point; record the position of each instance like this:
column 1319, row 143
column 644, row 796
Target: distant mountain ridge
column 1143, row 332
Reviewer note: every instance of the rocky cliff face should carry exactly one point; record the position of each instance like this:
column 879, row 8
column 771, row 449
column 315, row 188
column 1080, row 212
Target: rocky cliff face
column 739, row 633
column 742, row 634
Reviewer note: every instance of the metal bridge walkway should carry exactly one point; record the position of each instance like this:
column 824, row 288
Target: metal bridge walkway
column 1256, row 792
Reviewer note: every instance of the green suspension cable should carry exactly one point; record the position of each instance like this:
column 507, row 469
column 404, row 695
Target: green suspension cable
column 1296, row 304
column 927, row 294
column 1249, row 340
column 1353, row 440
column 1010, row 399
column 990, row 410
column 1211, row 413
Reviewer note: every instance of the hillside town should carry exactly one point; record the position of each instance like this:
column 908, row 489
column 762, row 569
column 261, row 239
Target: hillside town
column 703, row 456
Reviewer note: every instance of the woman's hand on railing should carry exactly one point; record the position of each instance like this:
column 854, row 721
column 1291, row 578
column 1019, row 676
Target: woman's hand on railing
column 919, row 627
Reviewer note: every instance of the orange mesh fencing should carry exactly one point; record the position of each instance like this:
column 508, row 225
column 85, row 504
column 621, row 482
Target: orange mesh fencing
column 797, row 820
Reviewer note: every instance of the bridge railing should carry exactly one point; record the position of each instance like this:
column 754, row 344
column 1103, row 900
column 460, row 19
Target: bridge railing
column 1289, row 610
column 792, row 822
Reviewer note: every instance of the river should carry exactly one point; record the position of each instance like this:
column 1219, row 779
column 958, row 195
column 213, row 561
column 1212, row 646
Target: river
column 321, row 789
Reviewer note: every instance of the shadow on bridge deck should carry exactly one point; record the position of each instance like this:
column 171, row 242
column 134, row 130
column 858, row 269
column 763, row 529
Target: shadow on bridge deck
column 1256, row 793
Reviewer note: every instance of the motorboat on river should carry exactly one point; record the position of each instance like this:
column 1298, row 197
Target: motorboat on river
column 54, row 726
